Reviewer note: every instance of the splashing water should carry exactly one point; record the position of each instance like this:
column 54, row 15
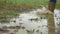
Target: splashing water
column 31, row 21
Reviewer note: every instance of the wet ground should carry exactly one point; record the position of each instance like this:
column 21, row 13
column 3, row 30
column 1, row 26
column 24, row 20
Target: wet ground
column 29, row 23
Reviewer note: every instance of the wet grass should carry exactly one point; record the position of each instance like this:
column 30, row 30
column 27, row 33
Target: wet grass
column 6, row 15
column 11, row 13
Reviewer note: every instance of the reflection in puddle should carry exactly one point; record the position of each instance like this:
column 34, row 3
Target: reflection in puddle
column 29, row 23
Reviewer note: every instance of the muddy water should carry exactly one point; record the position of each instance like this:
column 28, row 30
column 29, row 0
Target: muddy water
column 30, row 23
column 40, row 25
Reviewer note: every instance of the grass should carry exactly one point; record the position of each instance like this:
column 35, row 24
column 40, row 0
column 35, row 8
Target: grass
column 58, row 4
column 11, row 13
column 6, row 15
column 29, row 2
column 32, row 2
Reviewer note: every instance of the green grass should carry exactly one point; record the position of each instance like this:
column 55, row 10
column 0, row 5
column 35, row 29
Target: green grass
column 28, row 2
column 58, row 4
column 11, row 13
column 31, row 2
column 6, row 15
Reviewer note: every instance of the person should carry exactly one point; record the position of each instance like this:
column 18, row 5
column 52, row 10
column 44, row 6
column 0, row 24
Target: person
column 51, row 23
column 51, row 5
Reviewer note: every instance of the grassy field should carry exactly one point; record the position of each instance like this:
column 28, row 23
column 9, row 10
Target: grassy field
column 32, row 2
column 29, row 2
